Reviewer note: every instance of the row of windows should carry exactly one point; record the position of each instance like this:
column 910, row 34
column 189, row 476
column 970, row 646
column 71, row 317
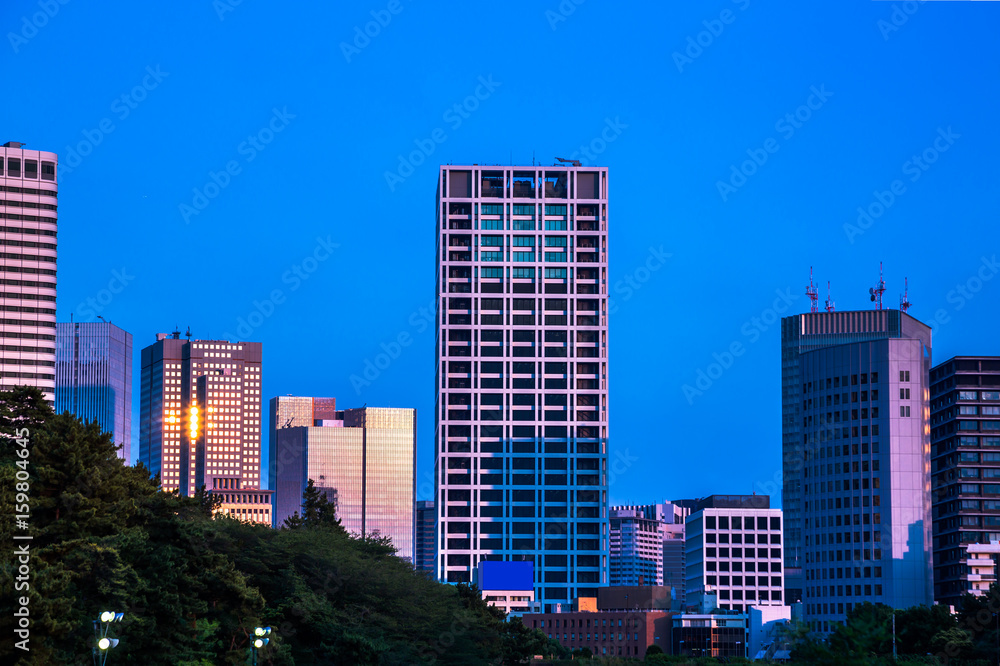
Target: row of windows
column 26, row 218
column 498, row 257
column 859, row 554
column 842, row 591
column 27, row 336
column 837, row 382
column 30, row 168
column 859, row 519
column 26, row 375
column 27, row 257
column 855, row 467
column 739, row 523
column 24, row 296
column 27, row 270
column 739, row 552
column 28, row 230
column 836, row 398
column 27, row 190
column 26, row 322
column 462, row 208
column 524, row 304
column 725, row 537
column 738, row 595
column 32, row 350
column 737, row 566
column 28, row 204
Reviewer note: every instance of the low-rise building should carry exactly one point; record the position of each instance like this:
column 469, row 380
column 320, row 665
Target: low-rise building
column 721, row 634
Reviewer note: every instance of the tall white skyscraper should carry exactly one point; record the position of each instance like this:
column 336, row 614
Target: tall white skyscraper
column 522, row 365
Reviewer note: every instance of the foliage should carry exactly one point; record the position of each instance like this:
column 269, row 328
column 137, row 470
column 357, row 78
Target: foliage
column 317, row 511
column 192, row 588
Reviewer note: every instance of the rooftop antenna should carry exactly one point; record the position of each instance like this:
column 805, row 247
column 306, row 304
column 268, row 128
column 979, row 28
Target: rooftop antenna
column 188, row 334
column 904, row 302
column 812, row 294
column 177, row 332
column 877, row 291
column 829, row 299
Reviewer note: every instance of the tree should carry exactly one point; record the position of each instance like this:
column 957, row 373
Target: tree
column 22, row 409
column 317, row 511
column 867, row 632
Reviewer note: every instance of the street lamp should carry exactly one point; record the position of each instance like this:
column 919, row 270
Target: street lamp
column 260, row 639
column 102, row 642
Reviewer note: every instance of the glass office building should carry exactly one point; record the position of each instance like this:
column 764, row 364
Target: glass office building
column 521, row 418
column 856, row 444
column 94, row 377
column 365, row 462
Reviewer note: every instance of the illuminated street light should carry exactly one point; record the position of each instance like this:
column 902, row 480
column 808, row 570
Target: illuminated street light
column 261, row 639
column 103, row 643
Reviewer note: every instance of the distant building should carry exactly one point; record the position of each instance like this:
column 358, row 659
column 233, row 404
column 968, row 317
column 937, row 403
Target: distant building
column 766, row 624
column 28, row 265
column 637, row 537
column 425, row 542
column 734, row 551
column 287, row 411
column 200, row 420
column 674, row 562
column 94, row 377
column 647, row 546
column 626, row 621
column 364, row 460
column 856, row 455
column 965, row 450
column 710, row 634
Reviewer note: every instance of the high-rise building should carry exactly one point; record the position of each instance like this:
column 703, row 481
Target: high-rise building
column 200, row 420
column 364, row 461
column 28, row 206
column 675, row 561
column 521, row 418
column 734, row 551
column 965, row 439
column 638, row 534
column 425, row 550
column 288, row 411
column 856, row 445
column 94, row 377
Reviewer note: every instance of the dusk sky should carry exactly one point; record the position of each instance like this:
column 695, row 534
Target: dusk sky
column 220, row 159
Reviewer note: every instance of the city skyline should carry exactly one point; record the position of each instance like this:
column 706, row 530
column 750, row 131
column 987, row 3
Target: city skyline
column 684, row 251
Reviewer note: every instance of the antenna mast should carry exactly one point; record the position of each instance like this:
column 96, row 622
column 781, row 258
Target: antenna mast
column 877, row 291
column 812, row 294
column 829, row 299
column 904, row 302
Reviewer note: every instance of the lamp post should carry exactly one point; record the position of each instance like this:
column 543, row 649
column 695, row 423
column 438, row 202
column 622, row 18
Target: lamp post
column 101, row 641
column 260, row 639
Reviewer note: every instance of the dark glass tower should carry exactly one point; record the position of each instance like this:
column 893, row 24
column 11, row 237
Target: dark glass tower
column 856, row 461
column 94, row 377
column 965, row 436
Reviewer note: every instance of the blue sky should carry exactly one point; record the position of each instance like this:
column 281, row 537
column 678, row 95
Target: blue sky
column 231, row 158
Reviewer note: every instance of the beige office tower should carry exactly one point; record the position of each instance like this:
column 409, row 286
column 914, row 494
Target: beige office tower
column 28, row 201
column 364, row 461
column 200, row 420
